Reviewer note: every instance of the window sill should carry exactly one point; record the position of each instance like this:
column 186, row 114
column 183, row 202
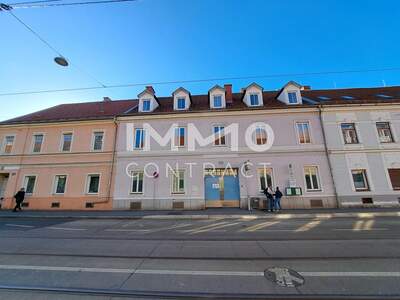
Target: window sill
column 313, row 191
column 136, row 193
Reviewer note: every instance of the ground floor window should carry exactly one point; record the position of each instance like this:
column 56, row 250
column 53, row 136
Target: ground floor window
column 29, row 183
column 265, row 178
column 59, row 184
column 178, row 182
column 360, row 179
column 93, row 184
column 394, row 175
column 137, row 182
column 311, row 177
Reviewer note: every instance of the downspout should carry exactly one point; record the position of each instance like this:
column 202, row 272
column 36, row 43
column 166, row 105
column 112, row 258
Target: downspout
column 327, row 155
column 110, row 179
column 20, row 166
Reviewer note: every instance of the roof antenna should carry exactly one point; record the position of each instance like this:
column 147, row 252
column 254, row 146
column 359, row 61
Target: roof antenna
column 384, row 82
column 334, row 84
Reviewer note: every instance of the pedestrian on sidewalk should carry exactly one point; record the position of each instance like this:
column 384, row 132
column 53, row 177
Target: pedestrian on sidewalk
column 19, row 198
column 270, row 198
column 278, row 196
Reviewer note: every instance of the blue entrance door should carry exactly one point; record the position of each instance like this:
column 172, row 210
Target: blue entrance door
column 231, row 188
column 221, row 189
column 212, row 189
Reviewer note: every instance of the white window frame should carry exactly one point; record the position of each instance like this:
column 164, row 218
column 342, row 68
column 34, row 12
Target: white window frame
column 177, row 130
column 93, row 140
column 33, row 142
column 264, row 170
column 177, row 103
column 318, row 179
column 3, row 148
column 87, row 185
column 297, row 97
column 366, row 178
column 62, row 141
column 222, row 100
column 298, row 132
column 55, row 183
column 255, row 135
column 142, row 136
column 131, row 185
column 258, row 98
column 219, row 135
column 143, row 101
column 355, row 129
column 390, row 130
column 172, row 173
column 25, row 183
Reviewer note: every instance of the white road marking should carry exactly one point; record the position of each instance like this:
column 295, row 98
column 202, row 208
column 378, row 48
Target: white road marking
column 128, row 230
column 66, row 228
column 204, row 227
column 17, row 225
column 310, row 225
column 192, row 272
column 258, row 226
column 215, row 227
column 351, row 229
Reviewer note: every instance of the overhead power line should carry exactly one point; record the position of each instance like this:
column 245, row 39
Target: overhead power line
column 114, row 86
column 48, row 3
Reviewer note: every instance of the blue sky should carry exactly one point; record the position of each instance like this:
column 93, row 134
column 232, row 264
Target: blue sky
column 166, row 40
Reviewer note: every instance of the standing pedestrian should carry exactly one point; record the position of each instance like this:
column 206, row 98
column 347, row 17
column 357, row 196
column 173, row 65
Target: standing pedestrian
column 278, row 196
column 270, row 199
column 19, row 198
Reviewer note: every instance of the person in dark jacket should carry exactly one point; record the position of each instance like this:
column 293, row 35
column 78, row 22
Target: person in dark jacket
column 19, row 198
column 278, row 196
column 270, row 198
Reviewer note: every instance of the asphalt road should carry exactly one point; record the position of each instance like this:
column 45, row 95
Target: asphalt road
column 324, row 258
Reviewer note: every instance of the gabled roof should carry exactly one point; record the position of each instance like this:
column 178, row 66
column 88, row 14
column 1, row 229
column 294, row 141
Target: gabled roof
column 216, row 87
column 286, row 85
column 180, row 89
column 255, row 85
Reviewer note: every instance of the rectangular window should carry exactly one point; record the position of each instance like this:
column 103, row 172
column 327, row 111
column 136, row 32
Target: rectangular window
column 98, row 140
column 292, row 96
column 8, row 144
column 178, row 182
column 180, row 136
column 146, row 105
column 66, row 142
column 219, row 135
column 360, row 180
column 265, row 178
column 93, row 184
column 217, row 101
column 29, row 184
column 254, row 100
column 37, row 143
column 181, row 103
column 137, row 182
column 139, row 138
column 384, row 132
column 349, row 133
column 303, row 131
column 60, row 182
column 312, row 178
column 394, row 175
column 260, row 135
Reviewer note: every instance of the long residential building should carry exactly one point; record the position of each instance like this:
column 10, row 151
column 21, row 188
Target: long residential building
column 323, row 148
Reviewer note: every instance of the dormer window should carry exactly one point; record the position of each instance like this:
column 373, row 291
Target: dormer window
column 217, row 101
column 254, row 100
column 181, row 103
column 146, row 105
column 292, row 96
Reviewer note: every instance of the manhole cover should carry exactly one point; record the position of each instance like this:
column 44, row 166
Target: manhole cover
column 284, row 277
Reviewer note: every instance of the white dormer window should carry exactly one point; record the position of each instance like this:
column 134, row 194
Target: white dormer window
column 292, row 97
column 181, row 104
column 254, row 100
column 217, row 101
column 146, row 105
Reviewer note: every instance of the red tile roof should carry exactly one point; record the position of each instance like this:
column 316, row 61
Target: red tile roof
column 110, row 109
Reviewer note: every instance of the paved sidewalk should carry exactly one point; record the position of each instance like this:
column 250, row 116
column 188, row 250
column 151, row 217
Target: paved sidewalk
column 214, row 213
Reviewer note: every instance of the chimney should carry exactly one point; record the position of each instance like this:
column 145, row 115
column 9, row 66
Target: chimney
column 228, row 93
column 107, row 99
column 150, row 89
column 306, row 88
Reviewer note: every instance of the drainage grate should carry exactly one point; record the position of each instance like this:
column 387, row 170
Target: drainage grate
column 367, row 201
column 284, row 277
column 55, row 205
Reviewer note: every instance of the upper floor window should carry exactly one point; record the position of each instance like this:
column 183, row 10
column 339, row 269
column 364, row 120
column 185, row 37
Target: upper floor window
column 260, row 135
column 37, row 143
column 384, row 132
column 254, row 101
column 180, row 136
column 137, row 182
column 303, row 132
column 349, row 133
column 360, row 179
column 98, row 138
column 29, row 184
column 292, row 96
column 265, row 178
column 146, row 105
column 93, row 184
column 8, row 144
column 139, row 138
column 219, row 135
column 60, row 183
column 178, row 182
column 217, row 101
column 66, row 142
column 394, row 175
column 311, row 177
column 181, row 103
